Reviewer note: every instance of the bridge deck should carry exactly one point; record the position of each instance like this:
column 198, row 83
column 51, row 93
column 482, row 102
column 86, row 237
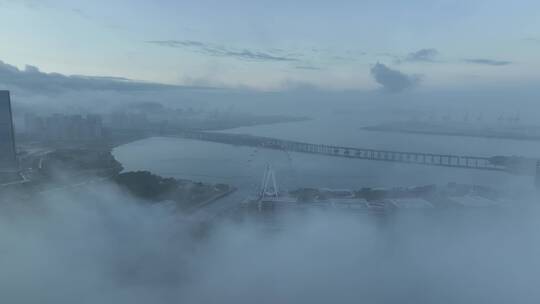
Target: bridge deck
column 445, row 160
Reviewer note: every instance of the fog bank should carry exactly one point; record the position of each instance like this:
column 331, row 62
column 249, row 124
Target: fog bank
column 100, row 246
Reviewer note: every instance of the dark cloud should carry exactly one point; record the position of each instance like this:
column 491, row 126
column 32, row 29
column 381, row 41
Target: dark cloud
column 81, row 13
column 178, row 43
column 532, row 39
column 308, row 67
column 341, row 58
column 393, row 80
column 222, row 51
column 32, row 80
column 257, row 56
column 487, row 61
column 423, row 55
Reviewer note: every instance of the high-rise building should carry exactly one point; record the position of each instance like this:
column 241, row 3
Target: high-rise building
column 8, row 155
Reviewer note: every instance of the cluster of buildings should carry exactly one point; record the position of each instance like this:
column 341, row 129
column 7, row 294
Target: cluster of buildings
column 60, row 127
column 127, row 120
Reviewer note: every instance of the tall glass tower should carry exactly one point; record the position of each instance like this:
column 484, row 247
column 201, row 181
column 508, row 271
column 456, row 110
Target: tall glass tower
column 8, row 156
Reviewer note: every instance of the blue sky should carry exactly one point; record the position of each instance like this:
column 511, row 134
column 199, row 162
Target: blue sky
column 277, row 44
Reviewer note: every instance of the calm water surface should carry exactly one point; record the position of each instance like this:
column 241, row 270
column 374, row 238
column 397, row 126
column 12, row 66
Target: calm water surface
column 243, row 166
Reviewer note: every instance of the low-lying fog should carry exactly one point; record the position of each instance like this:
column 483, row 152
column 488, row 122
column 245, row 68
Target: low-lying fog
column 100, row 246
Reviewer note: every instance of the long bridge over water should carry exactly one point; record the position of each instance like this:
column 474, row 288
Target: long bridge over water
column 445, row 160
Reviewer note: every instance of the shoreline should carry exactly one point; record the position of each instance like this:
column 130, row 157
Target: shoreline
column 117, row 142
column 451, row 133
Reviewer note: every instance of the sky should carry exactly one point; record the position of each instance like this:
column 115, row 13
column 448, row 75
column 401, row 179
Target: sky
column 278, row 44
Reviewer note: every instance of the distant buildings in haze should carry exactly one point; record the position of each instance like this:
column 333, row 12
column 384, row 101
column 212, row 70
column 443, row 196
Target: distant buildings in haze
column 60, row 127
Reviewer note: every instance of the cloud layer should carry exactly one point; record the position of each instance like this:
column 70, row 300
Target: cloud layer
column 31, row 79
column 485, row 61
column 423, row 55
column 224, row 51
column 393, row 80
